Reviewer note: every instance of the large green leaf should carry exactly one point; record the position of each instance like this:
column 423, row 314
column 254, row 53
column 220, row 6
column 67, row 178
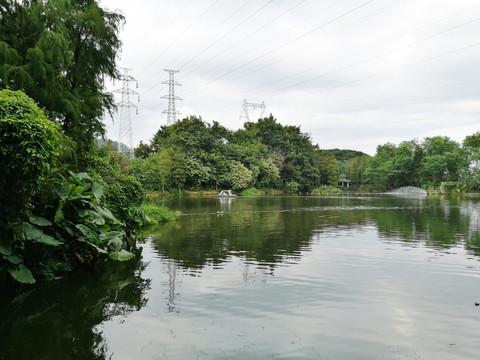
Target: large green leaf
column 97, row 190
column 22, row 274
column 40, row 221
column 82, row 176
column 98, row 219
column 113, row 239
column 64, row 190
column 5, row 251
column 34, row 233
column 59, row 216
column 100, row 250
column 87, row 233
column 14, row 259
column 122, row 255
column 106, row 213
column 108, row 236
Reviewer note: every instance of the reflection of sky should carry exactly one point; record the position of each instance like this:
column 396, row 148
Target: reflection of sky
column 350, row 296
column 471, row 210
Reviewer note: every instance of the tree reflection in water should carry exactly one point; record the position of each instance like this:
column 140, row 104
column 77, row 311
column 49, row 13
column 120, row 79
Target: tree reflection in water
column 66, row 319
column 59, row 319
column 274, row 231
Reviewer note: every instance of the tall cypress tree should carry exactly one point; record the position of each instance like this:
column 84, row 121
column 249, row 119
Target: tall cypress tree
column 59, row 52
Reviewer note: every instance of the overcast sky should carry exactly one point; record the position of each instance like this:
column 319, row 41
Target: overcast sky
column 353, row 74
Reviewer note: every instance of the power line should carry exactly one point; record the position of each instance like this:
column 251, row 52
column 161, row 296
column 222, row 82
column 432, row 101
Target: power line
column 227, row 33
column 252, row 33
column 350, row 55
column 223, row 36
column 172, row 20
column 269, row 63
column 248, row 36
column 371, row 58
column 282, row 46
column 180, row 35
column 196, row 20
column 448, row 53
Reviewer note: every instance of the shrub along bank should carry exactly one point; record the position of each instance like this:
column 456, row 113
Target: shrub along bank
column 54, row 219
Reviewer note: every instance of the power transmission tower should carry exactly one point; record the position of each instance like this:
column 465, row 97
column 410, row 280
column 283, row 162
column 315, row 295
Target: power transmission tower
column 125, row 140
column 171, row 111
column 247, row 105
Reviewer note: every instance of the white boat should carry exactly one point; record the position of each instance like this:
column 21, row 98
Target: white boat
column 225, row 194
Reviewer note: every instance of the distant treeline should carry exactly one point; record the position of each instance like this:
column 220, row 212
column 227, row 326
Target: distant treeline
column 192, row 154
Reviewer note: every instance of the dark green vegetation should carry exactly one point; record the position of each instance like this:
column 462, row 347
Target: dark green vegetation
column 64, row 202
column 427, row 164
column 195, row 155
column 192, row 154
column 53, row 219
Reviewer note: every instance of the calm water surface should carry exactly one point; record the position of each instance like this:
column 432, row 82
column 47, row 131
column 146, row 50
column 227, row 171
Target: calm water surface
column 354, row 277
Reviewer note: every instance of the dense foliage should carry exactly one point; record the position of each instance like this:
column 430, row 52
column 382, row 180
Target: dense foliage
column 195, row 155
column 426, row 163
column 28, row 150
column 64, row 203
column 53, row 222
column 59, row 52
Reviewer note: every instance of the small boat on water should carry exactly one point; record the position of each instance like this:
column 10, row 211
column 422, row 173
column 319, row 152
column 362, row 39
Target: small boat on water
column 225, row 194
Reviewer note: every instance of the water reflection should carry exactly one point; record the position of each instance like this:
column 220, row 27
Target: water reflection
column 225, row 204
column 58, row 319
column 286, row 277
column 274, row 231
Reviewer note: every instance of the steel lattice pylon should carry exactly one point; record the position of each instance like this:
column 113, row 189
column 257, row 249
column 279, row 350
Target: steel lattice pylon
column 125, row 139
column 171, row 111
column 254, row 106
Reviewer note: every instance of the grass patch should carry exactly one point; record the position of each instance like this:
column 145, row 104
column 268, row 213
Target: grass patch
column 158, row 214
column 270, row 191
column 327, row 190
column 250, row 192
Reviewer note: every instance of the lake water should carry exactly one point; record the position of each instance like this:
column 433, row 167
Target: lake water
column 352, row 277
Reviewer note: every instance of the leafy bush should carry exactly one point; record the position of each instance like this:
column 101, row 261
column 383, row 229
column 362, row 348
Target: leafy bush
column 250, row 192
column 292, row 187
column 327, row 190
column 123, row 193
column 238, row 177
column 158, row 214
column 77, row 232
column 29, row 144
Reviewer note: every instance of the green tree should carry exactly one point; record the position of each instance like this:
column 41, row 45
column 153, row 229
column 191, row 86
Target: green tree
column 179, row 173
column 158, row 168
column 197, row 173
column 289, row 143
column 379, row 168
column 59, row 53
column 405, row 164
column 471, row 144
column 269, row 174
column 238, row 176
column 354, row 169
column 329, row 169
column 142, row 151
column 443, row 160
